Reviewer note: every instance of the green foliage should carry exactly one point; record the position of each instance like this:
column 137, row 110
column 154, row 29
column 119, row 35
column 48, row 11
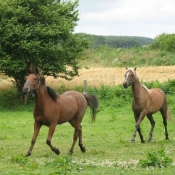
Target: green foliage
column 168, row 87
column 156, row 159
column 123, row 57
column 106, row 92
column 63, row 165
column 164, row 42
column 39, row 33
column 96, row 41
column 115, row 95
column 20, row 159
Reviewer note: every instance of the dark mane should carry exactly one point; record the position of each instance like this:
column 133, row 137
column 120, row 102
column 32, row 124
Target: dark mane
column 42, row 79
column 52, row 93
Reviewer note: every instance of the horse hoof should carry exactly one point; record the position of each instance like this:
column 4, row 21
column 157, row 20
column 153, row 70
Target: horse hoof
column 83, row 149
column 142, row 141
column 56, row 151
column 70, row 153
column 28, row 154
column 132, row 141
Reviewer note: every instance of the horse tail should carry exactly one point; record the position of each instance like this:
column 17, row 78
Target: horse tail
column 169, row 116
column 92, row 102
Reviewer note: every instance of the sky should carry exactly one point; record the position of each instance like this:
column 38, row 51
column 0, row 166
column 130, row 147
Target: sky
column 146, row 18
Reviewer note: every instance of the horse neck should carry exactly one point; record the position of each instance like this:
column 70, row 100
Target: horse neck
column 136, row 88
column 41, row 95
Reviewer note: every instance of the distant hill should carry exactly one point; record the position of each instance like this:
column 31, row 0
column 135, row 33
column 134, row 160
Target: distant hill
column 96, row 41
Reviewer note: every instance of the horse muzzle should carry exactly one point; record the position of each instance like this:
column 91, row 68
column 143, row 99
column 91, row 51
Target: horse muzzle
column 26, row 90
column 126, row 84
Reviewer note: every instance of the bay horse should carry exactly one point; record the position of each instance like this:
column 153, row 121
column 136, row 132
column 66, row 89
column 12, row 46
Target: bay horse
column 146, row 102
column 52, row 109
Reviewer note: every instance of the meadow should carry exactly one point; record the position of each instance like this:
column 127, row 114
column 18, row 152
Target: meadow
column 108, row 150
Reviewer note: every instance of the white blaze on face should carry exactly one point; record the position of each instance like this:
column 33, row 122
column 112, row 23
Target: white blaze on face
column 127, row 75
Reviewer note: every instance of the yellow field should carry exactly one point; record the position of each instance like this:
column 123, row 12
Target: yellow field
column 106, row 76
column 114, row 76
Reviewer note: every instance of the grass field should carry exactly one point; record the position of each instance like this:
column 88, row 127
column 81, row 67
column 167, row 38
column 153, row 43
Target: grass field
column 107, row 141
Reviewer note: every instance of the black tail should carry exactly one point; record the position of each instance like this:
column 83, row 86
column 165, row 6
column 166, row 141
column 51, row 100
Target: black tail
column 93, row 104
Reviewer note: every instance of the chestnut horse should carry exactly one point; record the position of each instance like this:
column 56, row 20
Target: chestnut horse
column 52, row 109
column 146, row 102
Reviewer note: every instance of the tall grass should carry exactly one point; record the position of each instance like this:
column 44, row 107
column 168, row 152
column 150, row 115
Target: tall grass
column 109, row 95
column 119, row 57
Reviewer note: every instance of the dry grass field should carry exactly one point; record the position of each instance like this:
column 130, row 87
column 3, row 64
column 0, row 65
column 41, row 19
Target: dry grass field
column 106, row 76
column 114, row 76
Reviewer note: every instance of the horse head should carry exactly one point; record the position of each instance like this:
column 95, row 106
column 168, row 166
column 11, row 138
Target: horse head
column 130, row 76
column 32, row 82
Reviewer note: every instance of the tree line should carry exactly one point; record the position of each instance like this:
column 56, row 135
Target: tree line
column 96, row 41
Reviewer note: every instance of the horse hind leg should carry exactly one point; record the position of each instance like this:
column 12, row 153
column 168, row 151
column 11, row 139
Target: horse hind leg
column 140, row 134
column 164, row 116
column 77, row 134
column 80, row 140
column 150, row 117
column 49, row 137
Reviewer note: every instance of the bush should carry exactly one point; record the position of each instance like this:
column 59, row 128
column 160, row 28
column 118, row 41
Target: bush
column 156, row 159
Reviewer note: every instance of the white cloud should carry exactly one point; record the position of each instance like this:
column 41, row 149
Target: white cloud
column 127, row 17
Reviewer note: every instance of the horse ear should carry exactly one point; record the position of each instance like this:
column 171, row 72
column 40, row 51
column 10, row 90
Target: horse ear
column 126, row 68
column 28, row 71
column 135, row 68
column 37, row 71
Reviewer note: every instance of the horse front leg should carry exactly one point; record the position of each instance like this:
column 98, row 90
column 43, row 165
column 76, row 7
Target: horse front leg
column 150, row 117
column 49, row 138
column 138, row 119
column 37, row 127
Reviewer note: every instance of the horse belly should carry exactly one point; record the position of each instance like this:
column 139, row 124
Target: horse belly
column 150, row 107
column 67, row 113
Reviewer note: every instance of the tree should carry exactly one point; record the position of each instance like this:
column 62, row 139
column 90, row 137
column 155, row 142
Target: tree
column 39, row 33
column 165, row 42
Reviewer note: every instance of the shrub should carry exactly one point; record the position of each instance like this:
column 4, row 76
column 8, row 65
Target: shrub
column 63, row 165
column 156, row 159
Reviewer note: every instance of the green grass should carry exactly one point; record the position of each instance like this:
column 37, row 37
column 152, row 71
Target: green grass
column 123, row 57
column 108, row 150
